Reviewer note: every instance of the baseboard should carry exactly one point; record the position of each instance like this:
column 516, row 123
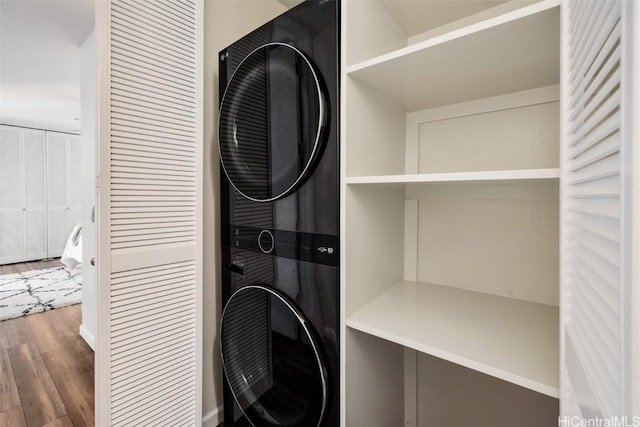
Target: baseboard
column 88, row 337
column 213, row 418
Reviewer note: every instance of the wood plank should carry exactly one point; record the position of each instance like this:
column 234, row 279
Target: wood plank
column 73, row 377
column 14, row 417
column 48, row 337
column 75, row 315
column 90, row 358
column 48, row 330
column 17, row 331
column 66, row 359
column 66, row 322
column 9, row 397
column 63, row 422
column 41, row 402
column 3, row 339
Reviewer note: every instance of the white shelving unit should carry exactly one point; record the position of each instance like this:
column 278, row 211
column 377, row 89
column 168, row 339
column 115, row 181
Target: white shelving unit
column 450, row 130
column 469, row 329
column 512, row 52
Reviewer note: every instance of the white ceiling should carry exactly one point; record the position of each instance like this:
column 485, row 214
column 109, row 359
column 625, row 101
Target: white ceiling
column 40, row 61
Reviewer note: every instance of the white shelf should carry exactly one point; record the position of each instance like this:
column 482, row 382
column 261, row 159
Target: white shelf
column 516, row 51
column 514, row 340
column 503, row 177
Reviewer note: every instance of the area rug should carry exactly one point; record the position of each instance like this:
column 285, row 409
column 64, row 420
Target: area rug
column 39, row 290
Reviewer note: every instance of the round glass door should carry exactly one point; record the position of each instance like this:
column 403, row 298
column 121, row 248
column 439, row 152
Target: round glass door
column 271, row 360
column 272, row 122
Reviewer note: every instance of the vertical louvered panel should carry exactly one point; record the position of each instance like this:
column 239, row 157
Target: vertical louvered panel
column 594, row 290
column 158, row 195
column 151, row 205
column 153, row 344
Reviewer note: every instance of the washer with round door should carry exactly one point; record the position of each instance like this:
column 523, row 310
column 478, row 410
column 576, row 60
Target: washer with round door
column 278, row 331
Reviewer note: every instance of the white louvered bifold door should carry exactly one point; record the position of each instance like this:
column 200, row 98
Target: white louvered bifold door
column 149, row 344
column 597, row 363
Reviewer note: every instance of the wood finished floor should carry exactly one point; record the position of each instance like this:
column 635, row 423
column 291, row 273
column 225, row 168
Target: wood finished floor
column 21, row 267
column 46, row 371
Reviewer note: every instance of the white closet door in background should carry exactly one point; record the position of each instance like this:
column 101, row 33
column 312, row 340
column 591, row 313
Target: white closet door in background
column 75, row 182
column 57, row 190
column 35, row 203
column 149, row 355
column 11, row 185
column 598, row 365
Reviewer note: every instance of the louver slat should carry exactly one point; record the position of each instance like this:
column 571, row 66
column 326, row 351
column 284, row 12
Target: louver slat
column 153, row 149
column 595, row 152
column 592, row 255
column 126, row 94
column 149, row 20
column 175, row 342
column 160, row 16
column 591, row 41
column 147, row 343
column 155, row 368
column 151, row 31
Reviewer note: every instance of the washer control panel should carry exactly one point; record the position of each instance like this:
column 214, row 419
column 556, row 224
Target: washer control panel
column 316, row 248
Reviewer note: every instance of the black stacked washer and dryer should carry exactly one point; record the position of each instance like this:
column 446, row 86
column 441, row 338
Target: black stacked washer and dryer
column 278, row 144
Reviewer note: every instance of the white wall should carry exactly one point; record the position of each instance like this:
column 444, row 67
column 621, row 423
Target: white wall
column 88, row 101
column 40, row 62
column 225, row 22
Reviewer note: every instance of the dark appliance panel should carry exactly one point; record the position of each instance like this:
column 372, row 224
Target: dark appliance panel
column 278, row 133
column 281, row 107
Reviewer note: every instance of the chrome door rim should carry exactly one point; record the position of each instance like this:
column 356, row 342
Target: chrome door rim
column 322, row 120
column 303, row 321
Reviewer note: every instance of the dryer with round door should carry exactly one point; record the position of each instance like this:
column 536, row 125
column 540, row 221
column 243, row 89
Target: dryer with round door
column 278, row 149
column 278, row 123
